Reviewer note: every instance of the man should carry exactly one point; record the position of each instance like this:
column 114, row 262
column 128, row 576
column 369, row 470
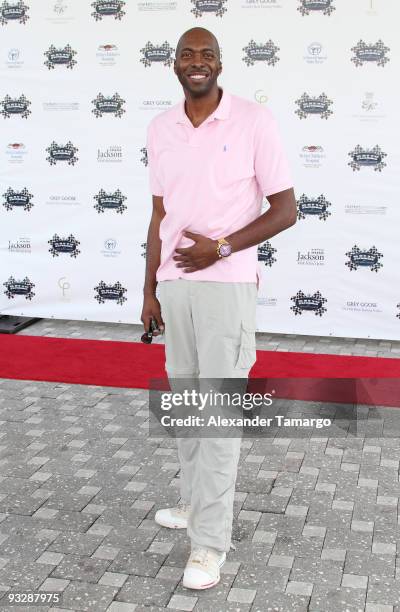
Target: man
column 212, row 158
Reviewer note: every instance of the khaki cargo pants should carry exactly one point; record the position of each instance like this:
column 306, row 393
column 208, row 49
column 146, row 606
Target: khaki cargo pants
column 209, row 333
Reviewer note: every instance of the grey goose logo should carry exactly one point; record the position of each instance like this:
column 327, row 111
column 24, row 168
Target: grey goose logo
column 60, row 57
column 318, row 105
column 113, row 292
column 108, row 8
column 361, row 157
column 264, row 52
column 67, row 245
column 370, row 53
column 144, row 159
column 308, row 303
column 13, row 11
column 17, row 199
column 110, row 201
column 313, row 207
column 311, row 6
column 19, row 287
column 57, row 153
column 208, row 6
column 111, row 105
column 144, row 247
column 15, row 106
column 364, row 258
column 157, row 54
column 265, row 253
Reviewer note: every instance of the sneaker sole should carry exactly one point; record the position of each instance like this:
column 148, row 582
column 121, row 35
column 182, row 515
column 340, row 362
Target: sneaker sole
column 207, row 585
column 169, row 525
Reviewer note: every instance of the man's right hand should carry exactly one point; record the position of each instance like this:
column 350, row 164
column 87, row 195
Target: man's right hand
column 151, row 309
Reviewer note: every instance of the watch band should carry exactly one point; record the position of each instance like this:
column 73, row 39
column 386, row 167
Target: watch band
column 221, row 242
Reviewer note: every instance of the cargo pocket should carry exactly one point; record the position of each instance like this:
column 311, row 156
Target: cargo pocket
column 247, row 350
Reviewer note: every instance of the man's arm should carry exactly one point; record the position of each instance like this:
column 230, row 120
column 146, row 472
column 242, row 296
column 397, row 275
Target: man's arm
column 281, row 215
column 151, row 305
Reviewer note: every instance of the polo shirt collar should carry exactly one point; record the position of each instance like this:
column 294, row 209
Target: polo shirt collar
column 221, row 112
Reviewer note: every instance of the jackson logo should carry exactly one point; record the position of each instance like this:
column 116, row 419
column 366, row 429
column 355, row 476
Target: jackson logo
column 264, row 52
column 110, row 292
column 110, row 201
column 65, row 152
column 13, row 11
column 19, row 287
column 15, row 106
column 144, row 247
column 60, row 57
column 318, row 105
column 313, row 207
column 312, row 6
column 368, row 53
column 161, row 53
column 310, row 302
column 265, row 253
column 144, row 159
column 208, row 6
column 17, row 199
column 364, row 258
column 111, row 105
column 108, row 8
column 67, row 245
column 367, row 158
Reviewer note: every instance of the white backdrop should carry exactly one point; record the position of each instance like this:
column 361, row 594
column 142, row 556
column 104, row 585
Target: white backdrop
column 79, row 82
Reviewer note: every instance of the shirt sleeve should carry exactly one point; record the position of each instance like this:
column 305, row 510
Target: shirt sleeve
column 154, row 182
column 270, row 162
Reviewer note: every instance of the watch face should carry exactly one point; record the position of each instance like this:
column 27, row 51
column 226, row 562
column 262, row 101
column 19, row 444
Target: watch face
column 225, row 250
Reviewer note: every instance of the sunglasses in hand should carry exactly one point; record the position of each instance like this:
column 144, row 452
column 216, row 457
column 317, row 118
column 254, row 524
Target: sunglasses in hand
column 147, row 337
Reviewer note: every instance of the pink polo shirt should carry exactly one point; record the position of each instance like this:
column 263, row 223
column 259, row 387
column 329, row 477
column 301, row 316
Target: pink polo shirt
column 212, row 179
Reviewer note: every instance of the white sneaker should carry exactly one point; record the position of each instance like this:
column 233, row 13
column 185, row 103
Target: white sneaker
column 202, row 569
column 174, row 518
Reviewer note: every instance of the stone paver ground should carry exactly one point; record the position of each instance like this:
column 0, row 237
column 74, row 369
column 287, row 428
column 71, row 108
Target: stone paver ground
column 315, row 520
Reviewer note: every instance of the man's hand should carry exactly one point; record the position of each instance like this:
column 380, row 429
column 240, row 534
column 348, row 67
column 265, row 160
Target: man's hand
column 151, row 308
column 201, row 255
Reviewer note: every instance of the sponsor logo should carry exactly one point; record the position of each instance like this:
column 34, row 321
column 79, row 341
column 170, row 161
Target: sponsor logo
column 144, row 159
column 312, row 6
column 107, row 54
column 67, row 245
column 111, row 105
column 157, row 5
column 15, row 106
column 364, row 258
column 110, row 248
column 64, row 285
column 111, row 291
column 265, row 253
column 368, row 104
column 60, row 57
column 155, row 54
column 260, row 96
column 60, row 7
column 21, row 245
column 315, row 54
column 110, row 201
column 13, row 59
column 261, row 4
column 112, row 154
column 313, row 207
column 308, row 303
column 369, row 109
column 108, row 8
column 60, row 12
column 313, row 257
column 318, row 105
column 155, row 104
column 15, row 152
column 19, row 287
column 17, row 199
column 367, row 158
column 365, row 209
column 60, row 106
column 144, row 247
column 263, row 52
column 13, row 55
column 312, row 156
column 13, row 11
column 368, row 53
column 57, row 153
column 68, row 200
column 354, row 306
column 270, row 302
column 208, row 6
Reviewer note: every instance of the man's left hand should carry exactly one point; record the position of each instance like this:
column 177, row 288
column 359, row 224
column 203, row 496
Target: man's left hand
column 201, row 254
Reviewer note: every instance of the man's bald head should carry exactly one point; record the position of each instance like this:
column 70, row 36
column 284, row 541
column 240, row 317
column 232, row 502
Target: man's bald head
column 198, row 32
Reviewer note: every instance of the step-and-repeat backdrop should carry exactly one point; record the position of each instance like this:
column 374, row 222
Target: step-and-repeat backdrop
column 80, row 81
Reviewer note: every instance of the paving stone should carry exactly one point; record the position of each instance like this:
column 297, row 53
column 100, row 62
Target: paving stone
column 146, row 590
column 182, row 602
column 80, row 595
column 275, row 601
column 354, row 581
column 335, row 599
column 77, row 567
column 138, row 563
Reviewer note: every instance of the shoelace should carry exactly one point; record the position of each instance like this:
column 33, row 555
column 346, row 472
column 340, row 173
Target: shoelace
column 182, row 508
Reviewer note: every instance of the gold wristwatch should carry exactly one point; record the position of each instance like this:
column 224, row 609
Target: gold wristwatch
column 224, row 249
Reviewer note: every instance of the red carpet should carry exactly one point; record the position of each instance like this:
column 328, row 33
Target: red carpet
column 133, row 365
